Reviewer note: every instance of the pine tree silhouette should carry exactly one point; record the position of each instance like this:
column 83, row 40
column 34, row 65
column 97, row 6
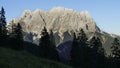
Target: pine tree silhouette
column 114, row 59
column 82, row 38
column 116, row 48
column 17, row 37
column 47, row 48
column 79, row 50
column 97, row 53
column 54, row 52
column 3, row 22
column 3, row 30
column 75, row 53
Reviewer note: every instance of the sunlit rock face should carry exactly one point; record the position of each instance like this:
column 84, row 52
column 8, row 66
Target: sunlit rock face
column 63, row 22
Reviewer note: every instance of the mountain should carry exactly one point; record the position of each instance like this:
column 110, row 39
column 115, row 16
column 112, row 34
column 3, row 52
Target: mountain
column 63, row 22
column 21, row 59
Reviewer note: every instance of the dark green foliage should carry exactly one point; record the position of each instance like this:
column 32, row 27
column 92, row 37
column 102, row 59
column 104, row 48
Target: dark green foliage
column 79, row 50
column 87, row 55
column 17, row 37
column 84, row 54
column 84, row 50
column 3, row 22
column 18, row 31
column 82, row 38
column 45, row 39
column 52, row 38
column 47, row 47
column 97, row 53
column 82, row 42
column 21, row 59
column 114, row 59
column 54, row 52
column 75, row 53
column 3, row 30
column 96, row 45
column 116, row 49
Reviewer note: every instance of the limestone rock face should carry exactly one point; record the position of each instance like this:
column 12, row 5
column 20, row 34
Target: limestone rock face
column 63, row 22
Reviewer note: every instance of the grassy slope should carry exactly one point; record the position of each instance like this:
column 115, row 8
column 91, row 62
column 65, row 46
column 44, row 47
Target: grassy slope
column 21, row 59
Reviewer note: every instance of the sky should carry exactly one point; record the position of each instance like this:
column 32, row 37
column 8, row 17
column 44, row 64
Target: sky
column 106, row 13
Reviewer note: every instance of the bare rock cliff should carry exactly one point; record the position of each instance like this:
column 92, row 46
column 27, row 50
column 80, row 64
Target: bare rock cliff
column 63, row 22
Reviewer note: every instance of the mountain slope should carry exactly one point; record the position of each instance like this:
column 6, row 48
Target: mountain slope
column 21, row 59
column 63, row 22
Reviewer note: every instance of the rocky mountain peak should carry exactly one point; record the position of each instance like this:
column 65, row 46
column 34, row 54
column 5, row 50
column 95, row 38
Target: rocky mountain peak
column 62, row 21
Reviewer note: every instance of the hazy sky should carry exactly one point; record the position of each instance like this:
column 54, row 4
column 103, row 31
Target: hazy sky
column 106, row 13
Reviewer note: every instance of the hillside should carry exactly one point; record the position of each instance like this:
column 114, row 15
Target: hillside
column 21, row 59
column 63, row 22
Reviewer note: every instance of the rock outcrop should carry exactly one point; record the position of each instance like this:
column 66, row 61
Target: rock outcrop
column 63, row 22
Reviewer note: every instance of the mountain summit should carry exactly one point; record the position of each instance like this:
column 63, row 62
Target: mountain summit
column 63, row 22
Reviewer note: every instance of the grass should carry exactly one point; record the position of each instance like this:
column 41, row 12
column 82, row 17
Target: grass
column 21, row 59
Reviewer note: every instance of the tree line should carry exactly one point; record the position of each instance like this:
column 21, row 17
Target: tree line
column 91, row 54
column 13, row 38
column 84, row 53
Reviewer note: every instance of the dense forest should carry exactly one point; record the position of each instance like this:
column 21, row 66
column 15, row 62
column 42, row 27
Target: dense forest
column 84, row 53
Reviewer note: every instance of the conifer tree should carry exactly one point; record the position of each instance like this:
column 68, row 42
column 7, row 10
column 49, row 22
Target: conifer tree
column 97, row 53
column 3, row 30
column 79, row 50
column 47, row 48
column 17, row 37
column 75, row 53
column 96, row 44
column 54, row 52
column 84, row 49
column 116, row 48
column 52, row 38
column 3, row 23
column 19, row 32
column 114, row 59
column 82, row 38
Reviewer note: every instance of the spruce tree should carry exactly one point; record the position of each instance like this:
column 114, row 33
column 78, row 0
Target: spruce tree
column 116, row 48
column 84, row 50
column 79, row 50
column 52, row 38
column 75, row 53
column 17, row 37
column 96, row 44
column 47, row 48
column 3, row 30
column 82, row 38
column 19, row 32
column 54, row 52
column 97, row 53
column 3, row 22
